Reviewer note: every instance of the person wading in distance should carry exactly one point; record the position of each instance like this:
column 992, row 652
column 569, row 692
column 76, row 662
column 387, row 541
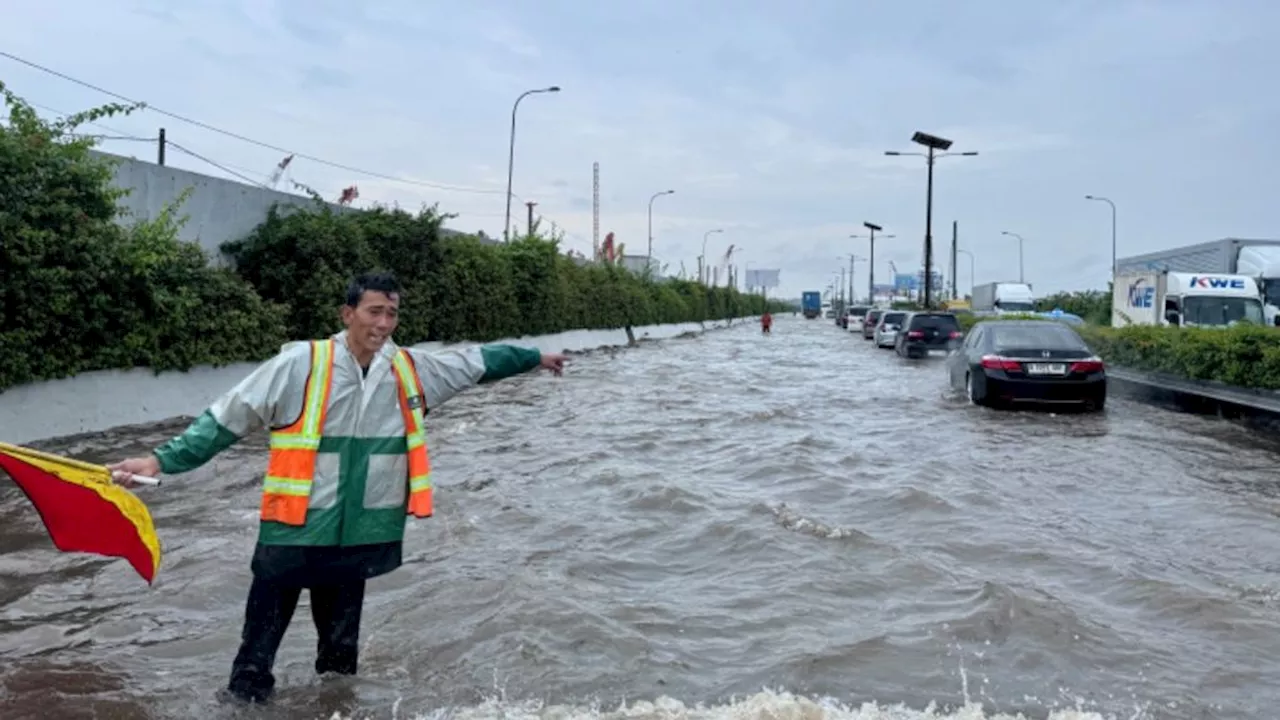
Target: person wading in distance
column 348, row 463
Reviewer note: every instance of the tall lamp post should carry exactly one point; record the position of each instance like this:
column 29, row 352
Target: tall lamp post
column 972, row 277
column 1013, row 234
column 511, row 153
column 649, row 256
column 933, row 143
column 1113, row 228
column 871, row 279
column 702, row 259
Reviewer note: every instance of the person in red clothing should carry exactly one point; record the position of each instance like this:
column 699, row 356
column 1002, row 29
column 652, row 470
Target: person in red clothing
column 766, row 322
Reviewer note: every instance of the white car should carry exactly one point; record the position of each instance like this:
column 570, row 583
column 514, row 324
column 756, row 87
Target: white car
column 888, row 327
column 856, row 314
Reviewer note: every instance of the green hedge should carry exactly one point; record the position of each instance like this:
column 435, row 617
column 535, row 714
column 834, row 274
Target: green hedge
column 80, row 291
column 1245, row 356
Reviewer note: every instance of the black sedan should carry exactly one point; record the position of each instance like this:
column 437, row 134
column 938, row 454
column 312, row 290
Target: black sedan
column 1003, row 362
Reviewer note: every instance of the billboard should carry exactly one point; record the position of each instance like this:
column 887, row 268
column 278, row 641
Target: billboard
column 903, row 282
column 767, row 279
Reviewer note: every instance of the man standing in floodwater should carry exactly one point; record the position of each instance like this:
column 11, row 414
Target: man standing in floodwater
column 348, row 463
column 766, row 323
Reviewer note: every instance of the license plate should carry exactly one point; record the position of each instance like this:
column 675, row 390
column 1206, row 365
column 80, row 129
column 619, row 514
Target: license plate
column 1046, row 368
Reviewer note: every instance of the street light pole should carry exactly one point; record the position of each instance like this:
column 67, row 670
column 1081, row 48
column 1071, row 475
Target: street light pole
column 702, row 259
column 1011, row 234
column 871, row 264
column 649, row 256
column 933, row 143
column 511, row 154
column 1113, row 228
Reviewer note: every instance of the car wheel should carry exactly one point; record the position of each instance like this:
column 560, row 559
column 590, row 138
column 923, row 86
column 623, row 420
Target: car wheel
column 1097, row 404
column 974, row 398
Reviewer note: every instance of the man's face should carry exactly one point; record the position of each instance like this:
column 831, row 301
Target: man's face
column 370, row 323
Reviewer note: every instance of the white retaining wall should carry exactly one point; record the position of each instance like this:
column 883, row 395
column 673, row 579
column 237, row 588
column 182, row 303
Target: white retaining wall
column 103, row 399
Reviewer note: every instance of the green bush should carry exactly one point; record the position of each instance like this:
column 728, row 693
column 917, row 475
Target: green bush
column 458, row 287
column 81, row 291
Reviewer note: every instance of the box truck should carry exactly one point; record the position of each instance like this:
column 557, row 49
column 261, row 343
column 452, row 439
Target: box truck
column 1157, row 297
column 1258, row 259
column 1003, row 298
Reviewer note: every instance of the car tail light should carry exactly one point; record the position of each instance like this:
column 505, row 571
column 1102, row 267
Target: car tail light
column 915, row 334
column 954, row 334
column 995, row 362
column 1091, row 365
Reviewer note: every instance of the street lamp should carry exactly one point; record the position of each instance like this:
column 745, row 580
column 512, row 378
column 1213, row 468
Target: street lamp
column 932, row 142
column 972, row 278
column 702, row 259
column 1010, row 234
column 511, row 153
column 655, row 197
column 871, row 279
column 1113, row 228
column 852, row 259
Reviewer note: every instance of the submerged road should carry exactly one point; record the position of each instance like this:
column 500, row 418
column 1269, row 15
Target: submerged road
column 706, row 517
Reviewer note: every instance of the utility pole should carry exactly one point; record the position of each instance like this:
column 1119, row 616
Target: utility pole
column 529, row 227
column 955, row 237
column 160, row 150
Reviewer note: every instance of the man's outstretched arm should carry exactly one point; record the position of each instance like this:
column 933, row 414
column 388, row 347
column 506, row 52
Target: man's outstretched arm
column 444, row 374
column 270, row 395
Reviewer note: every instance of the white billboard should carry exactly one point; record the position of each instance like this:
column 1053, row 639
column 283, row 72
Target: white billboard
column 767, row 279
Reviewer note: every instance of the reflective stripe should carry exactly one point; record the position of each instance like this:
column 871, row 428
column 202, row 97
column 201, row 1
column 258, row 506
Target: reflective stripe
column 291, row 467
column 420, row 494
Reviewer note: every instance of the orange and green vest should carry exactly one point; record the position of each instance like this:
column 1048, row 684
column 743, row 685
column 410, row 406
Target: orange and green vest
column 294, row 451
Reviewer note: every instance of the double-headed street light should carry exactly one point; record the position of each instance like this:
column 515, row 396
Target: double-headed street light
column 1113, row 228
column 511, row 153
column 933, row 143
column 871, row 279
column 649, row 256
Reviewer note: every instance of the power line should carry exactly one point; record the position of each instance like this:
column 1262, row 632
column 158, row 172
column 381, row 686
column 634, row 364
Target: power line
column 259, row 143
column 242, row 138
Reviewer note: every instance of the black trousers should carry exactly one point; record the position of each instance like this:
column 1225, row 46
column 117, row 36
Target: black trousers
column 334, row 608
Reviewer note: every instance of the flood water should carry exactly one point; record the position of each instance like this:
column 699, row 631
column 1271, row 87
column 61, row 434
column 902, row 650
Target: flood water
column 768, row 526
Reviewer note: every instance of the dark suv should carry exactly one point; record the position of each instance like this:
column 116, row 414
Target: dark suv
column 923, row 332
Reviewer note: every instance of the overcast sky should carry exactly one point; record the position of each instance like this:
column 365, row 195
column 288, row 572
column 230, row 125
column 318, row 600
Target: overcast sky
column 769, row 118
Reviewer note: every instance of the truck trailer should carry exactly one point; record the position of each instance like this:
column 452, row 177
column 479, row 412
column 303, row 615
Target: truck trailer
column 811, row 303
column 1258, row 259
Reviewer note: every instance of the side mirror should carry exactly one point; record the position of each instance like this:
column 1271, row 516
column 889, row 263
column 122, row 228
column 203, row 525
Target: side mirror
column 1172, row 317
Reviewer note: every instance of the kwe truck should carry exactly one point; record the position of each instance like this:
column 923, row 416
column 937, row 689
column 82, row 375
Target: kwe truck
column 811, row 303
column 1002, row 298
column 1258, row 259
column 1184, row 299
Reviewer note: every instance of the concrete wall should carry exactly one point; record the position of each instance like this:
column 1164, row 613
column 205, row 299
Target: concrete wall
column 100, row 400
column 218, row 210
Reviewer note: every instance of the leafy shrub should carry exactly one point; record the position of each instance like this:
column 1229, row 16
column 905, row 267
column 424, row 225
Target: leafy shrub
column 80, row 292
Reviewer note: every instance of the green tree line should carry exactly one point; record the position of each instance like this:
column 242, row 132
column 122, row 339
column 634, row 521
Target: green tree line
column 81, row 290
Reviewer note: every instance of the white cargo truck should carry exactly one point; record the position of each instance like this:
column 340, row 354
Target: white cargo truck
column 1002, row 298
column 1258, row 259
column 1184, row 299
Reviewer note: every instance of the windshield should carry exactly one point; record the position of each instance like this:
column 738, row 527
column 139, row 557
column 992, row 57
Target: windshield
column 1271, row 291
column 1208, row 310
column 858, row 311
column 1012, row 306
column 1037, row 337
column 894, row 318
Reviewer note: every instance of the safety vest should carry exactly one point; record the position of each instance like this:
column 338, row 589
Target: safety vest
column 292, row 463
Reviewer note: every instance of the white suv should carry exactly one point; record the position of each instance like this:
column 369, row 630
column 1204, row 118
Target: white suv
column 856, row 314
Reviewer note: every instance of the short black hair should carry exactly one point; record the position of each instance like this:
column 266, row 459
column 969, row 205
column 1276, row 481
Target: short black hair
column 383, row 282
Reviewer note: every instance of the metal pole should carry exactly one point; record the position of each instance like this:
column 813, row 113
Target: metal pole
column 955, row 238
column 511, row 155
column 871, row 269
column 851, row 278
column 160, row 150
column 928, row 236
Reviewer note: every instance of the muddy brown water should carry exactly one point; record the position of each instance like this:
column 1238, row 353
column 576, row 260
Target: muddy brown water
column 696, row 520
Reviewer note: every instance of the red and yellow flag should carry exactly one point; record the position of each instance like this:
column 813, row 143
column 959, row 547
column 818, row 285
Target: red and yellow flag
column 83, row 510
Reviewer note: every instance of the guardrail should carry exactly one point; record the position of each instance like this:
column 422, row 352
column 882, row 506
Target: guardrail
column 1259, row 407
